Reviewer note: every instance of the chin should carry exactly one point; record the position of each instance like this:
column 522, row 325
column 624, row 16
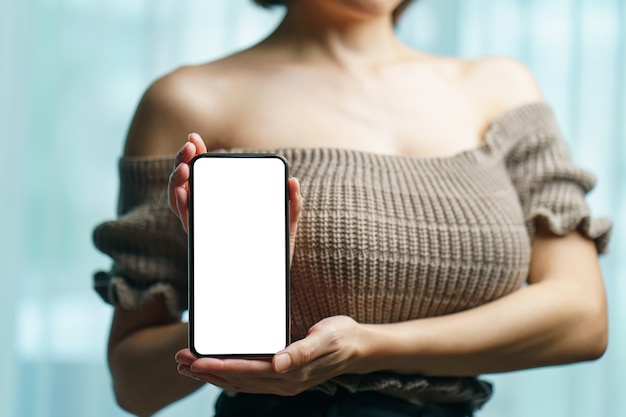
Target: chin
column 365, row 8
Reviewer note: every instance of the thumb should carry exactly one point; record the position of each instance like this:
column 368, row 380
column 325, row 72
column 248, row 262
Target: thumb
column 294, row 356
column 300, row 353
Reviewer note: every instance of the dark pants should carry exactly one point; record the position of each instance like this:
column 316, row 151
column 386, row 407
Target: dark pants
column 344, row 404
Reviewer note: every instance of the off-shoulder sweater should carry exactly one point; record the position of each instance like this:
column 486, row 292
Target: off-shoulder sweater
column 382, row 238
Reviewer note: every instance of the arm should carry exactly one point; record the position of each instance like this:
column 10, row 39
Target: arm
column 142, row 344
column 560, row 317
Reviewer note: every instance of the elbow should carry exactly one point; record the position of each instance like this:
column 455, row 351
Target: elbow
column 126, row 403
column 598, row 322
column 126, row 392
column 592, row 333
column 600, row 341
column 583, row 330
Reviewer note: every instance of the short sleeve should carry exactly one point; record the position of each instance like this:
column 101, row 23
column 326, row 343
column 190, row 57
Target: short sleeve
column 551, row 189
column 146, row 242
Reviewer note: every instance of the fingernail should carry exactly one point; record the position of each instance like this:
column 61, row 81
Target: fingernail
column 189, row 375
column 282, row 362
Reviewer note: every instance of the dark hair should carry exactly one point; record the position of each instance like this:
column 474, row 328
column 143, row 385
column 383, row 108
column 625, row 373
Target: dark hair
column 396, row 13
column 269, row 3
column 399, row 11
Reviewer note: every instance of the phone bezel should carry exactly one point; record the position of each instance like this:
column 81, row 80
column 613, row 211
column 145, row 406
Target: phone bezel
column 191, row 256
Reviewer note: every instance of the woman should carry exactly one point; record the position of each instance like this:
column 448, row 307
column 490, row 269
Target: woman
column 433, row 187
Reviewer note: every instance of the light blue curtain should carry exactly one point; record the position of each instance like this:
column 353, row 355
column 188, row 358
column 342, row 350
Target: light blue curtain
column 71, row 74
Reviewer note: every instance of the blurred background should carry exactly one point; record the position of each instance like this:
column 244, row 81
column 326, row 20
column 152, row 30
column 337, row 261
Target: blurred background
column 71, row 74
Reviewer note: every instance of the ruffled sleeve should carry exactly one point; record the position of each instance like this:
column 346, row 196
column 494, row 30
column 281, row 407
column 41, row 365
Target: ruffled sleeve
column 551, row 189
column 146, row 242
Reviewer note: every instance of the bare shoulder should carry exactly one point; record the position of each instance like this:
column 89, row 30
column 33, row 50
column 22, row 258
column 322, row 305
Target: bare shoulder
column 174, row 105
column 500, row 83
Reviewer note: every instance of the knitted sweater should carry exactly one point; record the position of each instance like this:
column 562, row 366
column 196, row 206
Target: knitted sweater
column 382, row 238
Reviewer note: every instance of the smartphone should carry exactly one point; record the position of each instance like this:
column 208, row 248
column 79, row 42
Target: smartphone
column 238, row 255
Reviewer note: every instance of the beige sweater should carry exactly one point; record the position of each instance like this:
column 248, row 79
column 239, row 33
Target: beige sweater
column 383, row 238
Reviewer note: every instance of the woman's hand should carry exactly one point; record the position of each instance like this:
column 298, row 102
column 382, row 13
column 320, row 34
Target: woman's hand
column 178, row 185
column 178, row 188
column 331, row 348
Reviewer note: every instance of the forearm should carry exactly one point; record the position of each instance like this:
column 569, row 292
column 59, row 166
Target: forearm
column 144, row 370
column 560, row 317
column 547, row 323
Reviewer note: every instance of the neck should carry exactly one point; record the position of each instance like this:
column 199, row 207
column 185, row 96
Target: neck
column 346, row 39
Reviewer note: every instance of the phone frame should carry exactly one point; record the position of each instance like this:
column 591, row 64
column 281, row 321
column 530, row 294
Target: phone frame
column 191, row 255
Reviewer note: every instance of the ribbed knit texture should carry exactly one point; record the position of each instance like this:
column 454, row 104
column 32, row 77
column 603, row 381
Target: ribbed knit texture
column 382, row 238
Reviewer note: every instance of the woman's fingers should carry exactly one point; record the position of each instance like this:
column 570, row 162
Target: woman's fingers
column 185, row 153
column 248, row 385
column 217, row 365
column 295, row 208
column 182, row 204
column 180, row 174
column 178, row 194
column 185, row 356
column 233, row 366
column 211, row 379
column 178, row 182
column 197, row 141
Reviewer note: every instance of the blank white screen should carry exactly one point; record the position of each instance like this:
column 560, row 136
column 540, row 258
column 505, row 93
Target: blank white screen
column 239, row 256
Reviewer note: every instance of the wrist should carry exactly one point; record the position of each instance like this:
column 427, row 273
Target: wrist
column 393, row 347
column 375, row 349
